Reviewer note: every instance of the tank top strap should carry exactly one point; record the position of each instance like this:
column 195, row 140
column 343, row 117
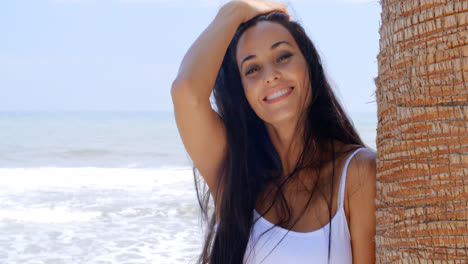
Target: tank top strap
column 343, row 178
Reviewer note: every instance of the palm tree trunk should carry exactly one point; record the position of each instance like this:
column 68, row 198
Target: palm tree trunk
column 422, row 135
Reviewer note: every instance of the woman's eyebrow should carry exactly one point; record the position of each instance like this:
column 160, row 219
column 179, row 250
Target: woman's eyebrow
column 271, row 48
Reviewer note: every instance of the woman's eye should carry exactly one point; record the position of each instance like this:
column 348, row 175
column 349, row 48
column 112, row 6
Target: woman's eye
column 284, row 56
column 252, row 70
column 257, row 68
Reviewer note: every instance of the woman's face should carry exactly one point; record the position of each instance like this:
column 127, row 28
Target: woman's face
column 274, row 72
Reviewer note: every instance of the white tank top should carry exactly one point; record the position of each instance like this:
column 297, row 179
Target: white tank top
column 279, row 245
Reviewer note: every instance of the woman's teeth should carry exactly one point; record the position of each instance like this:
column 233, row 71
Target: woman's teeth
column 278, row 94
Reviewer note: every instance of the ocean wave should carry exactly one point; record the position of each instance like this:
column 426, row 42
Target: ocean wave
column 53, row 177
column 47, row 215
column 89, row 152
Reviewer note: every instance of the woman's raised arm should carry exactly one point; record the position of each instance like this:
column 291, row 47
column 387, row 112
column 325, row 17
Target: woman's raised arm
column 201, row 129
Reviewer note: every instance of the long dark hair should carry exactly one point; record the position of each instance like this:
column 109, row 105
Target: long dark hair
column 252, row 162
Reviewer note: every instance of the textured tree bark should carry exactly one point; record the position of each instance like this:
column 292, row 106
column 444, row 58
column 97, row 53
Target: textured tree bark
column 422, row 137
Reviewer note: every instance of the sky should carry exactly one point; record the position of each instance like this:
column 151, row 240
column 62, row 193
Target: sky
column 122, row 55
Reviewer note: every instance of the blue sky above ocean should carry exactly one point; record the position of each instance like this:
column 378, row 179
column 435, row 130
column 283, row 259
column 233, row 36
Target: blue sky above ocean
column 110, row 55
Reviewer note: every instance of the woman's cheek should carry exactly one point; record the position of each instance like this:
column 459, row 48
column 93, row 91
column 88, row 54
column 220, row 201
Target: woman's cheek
column 252, row 94
column 248, row 92
column 295, row 67
column 250, row 86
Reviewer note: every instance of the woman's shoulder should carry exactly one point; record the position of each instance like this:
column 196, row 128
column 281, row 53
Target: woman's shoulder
column 361, row 169
column 362, row 157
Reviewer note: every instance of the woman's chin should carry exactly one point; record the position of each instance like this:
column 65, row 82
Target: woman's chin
column 281, row 120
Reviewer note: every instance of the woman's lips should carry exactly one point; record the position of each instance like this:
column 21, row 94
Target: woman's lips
column 283, row 96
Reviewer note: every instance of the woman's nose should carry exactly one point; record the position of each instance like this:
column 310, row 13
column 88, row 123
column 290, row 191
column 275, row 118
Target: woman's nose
column 271, row 75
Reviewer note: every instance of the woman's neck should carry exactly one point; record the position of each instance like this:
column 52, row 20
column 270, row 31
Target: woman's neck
column 287, row 140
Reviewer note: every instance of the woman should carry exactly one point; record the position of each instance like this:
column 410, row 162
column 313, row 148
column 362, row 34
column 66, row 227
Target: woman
column 277, row 155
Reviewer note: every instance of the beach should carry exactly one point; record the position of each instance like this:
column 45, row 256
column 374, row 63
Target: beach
column 100, row 188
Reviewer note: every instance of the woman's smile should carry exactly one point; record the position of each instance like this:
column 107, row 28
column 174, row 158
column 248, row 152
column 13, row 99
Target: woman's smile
column 274, row 97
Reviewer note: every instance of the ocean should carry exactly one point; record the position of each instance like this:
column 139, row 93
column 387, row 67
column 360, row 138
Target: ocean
column 101, row 188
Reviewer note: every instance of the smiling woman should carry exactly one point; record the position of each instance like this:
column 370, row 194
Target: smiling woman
column 275, row 73
column 277, row 155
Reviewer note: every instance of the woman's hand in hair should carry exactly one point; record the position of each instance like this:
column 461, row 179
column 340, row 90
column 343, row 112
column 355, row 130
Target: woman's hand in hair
column 252, row 8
